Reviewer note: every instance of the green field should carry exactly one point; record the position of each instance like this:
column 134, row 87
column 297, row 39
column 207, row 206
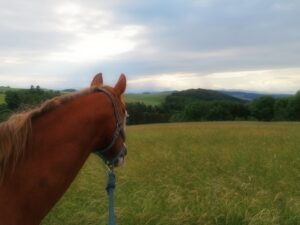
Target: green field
column 2, row 98
column 148, row 99
column 195, row 173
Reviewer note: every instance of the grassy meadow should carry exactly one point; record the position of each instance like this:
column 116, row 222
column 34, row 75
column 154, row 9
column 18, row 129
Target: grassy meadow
column 194, row 173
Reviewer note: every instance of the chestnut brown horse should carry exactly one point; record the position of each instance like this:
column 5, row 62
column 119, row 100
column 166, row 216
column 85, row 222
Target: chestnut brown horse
column 42, row 150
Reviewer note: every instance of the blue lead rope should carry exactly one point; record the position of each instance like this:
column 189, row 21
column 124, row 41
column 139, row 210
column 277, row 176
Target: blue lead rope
column 111, row 184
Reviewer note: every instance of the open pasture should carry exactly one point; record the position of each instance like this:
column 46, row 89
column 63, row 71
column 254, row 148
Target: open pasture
column 194, row 173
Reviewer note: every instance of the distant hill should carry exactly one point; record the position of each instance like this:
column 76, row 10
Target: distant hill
column 251, row 95
column 204, row 95
column 156, row 98
column 176, row 101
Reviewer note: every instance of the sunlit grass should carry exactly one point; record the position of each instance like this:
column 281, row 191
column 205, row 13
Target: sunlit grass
column 195, row 173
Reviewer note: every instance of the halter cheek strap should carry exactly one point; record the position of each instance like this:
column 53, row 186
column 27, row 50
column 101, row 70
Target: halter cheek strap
column 119, row 133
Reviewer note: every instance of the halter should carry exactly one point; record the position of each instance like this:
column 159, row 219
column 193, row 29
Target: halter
column 119, row 132
column 111, row 181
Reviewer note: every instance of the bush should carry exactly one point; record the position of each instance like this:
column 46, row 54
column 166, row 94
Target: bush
column 294, row 107
column 263, row 108
column 20, row 99
column 281, row 111
column 140, row 113
column 4, row 112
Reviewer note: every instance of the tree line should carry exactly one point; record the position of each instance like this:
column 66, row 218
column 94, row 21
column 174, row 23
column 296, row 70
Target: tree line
column 265, row 108
column 22, row 99
column 177, row 107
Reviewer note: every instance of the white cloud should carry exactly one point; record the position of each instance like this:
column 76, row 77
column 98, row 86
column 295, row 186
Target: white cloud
column 268, row 81
column 11, row 60
column 104, row 44
column 69, row 8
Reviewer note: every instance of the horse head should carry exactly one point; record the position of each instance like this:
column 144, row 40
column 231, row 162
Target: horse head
column 114, row 151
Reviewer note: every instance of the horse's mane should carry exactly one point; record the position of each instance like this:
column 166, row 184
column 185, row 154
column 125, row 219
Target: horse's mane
column 15, row 131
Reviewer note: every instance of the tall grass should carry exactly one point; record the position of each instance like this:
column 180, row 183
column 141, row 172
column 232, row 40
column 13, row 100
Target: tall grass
column 195, row 173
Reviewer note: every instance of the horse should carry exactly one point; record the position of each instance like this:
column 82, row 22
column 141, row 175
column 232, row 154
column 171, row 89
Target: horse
column 42, row 149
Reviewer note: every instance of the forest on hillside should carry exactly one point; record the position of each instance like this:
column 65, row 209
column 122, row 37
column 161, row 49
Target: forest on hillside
column 207, row 105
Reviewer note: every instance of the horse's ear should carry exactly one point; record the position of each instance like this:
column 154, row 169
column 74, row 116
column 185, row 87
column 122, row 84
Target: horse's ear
column 97, row 81
column 121, row 85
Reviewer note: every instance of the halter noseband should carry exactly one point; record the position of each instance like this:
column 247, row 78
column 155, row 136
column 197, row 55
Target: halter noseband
column 119, row 132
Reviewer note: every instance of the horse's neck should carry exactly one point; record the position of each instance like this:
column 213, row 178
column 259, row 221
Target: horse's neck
column 61, row 142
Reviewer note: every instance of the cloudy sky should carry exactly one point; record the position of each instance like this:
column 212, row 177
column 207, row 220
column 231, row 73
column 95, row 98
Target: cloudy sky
column 160, row 45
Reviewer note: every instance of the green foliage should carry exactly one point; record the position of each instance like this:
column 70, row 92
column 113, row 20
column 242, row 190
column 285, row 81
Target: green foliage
column 218, row 113
column 294, row 106
column 281, row 111
column 229, row 173
column 263, row 108
column 13, row 99
column 213, row 111
column 19, row 99
column 178, row 100
column 4, row 112
column 205, row 105
column 196, row 111
column 140, row 113
column 267, row 108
